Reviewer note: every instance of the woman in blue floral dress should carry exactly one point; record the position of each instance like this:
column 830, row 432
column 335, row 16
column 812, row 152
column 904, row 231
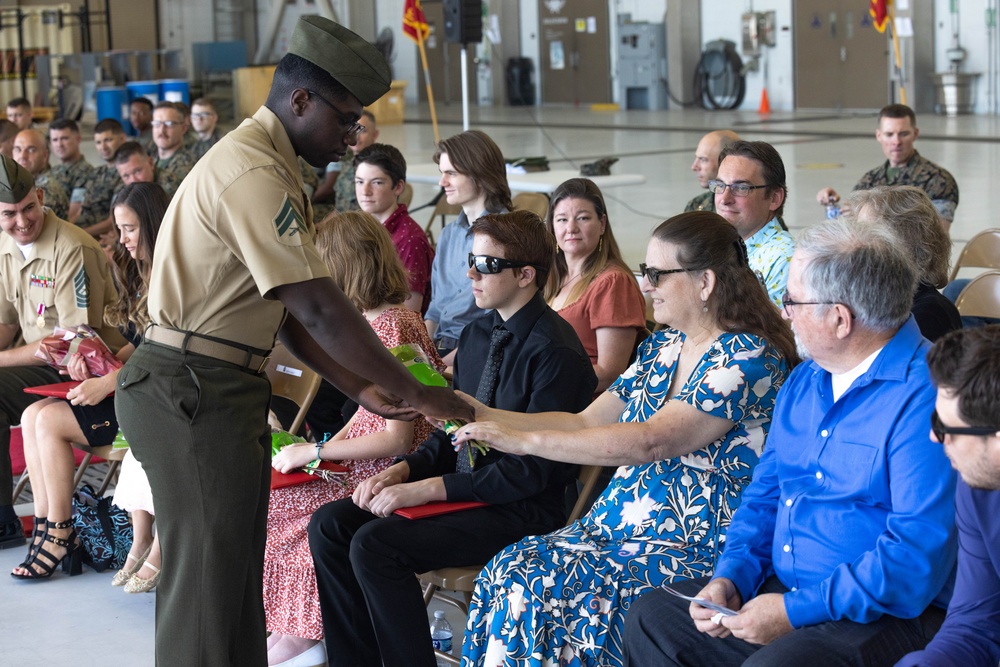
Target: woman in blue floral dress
column 686, row 423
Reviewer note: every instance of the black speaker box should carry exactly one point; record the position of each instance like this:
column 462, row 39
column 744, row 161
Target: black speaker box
column 463, row 21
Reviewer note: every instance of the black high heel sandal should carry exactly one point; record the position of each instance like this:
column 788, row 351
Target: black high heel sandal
column 38, row 531
column 72, row 560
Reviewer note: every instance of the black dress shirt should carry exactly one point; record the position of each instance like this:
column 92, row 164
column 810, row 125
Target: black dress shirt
column 544, row 368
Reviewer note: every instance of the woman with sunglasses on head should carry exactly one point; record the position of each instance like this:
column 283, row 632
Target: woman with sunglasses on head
column 364, row 263
column 686, row 423
column 52, row 425
column 591, row 287
column 473, row 176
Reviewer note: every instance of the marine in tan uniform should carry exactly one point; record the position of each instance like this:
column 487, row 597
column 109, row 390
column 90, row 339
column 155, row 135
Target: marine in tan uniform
column 51, row 273
column 235, row 266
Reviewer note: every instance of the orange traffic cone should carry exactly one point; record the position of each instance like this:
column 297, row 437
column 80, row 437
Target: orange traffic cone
column 765, row 105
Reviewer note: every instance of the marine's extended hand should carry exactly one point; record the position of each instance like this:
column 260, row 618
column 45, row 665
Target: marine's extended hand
column 377, row 400
column 441, row 403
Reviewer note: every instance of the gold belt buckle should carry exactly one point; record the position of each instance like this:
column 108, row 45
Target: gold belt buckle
column 263, row 365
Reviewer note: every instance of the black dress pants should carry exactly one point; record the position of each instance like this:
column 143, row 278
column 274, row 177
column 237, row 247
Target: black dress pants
column 373, row 608
column 659, row 631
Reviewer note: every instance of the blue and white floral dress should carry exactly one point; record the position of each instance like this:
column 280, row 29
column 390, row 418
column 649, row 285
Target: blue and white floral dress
column 561, row 598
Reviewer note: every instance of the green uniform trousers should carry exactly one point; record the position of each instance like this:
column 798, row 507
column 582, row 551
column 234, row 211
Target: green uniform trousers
column 199, row 428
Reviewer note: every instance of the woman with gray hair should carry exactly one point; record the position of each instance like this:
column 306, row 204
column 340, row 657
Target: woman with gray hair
column 908, row 212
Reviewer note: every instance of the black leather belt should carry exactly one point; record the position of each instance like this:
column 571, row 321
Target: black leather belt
column 188, row 341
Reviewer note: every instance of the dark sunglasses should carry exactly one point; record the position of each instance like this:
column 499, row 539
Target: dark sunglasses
column 940, row 430
column 487, row 264
column 653, row 275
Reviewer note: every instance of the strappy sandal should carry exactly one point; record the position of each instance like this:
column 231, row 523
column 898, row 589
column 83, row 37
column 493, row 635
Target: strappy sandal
column 72, row 560
column 38, row 532
column 123, row 575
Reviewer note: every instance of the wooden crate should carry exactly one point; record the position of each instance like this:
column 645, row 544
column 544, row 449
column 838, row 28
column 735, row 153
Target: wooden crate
column 390, row 109
column 250, row 88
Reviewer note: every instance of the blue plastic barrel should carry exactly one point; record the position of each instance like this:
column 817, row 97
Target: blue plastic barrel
column 113, row 103
column 175, row 90
column 148, row 89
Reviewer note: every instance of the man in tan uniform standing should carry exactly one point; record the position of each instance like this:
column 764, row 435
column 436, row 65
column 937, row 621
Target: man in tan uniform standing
column 235, row 266
column 51, row 273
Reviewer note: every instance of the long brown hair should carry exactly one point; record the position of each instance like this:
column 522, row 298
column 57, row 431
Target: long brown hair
column 475, row 155
column 149, row 203
column 362, row 260
column 607, row 252
column 740, row 303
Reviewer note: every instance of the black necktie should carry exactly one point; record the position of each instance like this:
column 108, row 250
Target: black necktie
column 487, row 385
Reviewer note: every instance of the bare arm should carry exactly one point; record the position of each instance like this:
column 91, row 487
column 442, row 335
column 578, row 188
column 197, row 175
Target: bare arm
column 98, row 229
column 20, row 356
column 325, row 189
column 676, row 429
column 323, row 322
column 614, row 347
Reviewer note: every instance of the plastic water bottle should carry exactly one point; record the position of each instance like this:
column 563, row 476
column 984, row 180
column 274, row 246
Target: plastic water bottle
column 441, row 633
column 832, row 210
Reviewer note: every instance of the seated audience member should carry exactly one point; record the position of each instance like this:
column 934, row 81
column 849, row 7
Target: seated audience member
column 140, row 116
column 686, row 423
column 204, row 120
column 54, row 275
column 103, row 182
column 847, row 532
column 897, row 133
column 965, row 367
column 590, row 286
column 750, row 194
column 336, row 192
column 309, row 180
column 379, row 178
column 908, row 211
column 134, row 165
column 8, row 131
column 50, row 426
column 31, row 151
column 173, row 160
column 519, row 356
column 19, row 113
column 473, row 176
column 706, row 166
column 363, row 263
column 73, row 170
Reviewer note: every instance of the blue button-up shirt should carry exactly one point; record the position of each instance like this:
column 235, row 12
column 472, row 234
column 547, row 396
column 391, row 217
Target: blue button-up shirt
column 851, row 505
column 452, row 304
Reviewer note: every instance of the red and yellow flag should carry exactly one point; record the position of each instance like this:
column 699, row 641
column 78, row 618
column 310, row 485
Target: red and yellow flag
column 879, row 9
column 414, row 22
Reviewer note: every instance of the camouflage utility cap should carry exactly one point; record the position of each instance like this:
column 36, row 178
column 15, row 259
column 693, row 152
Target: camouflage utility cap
column 348, row 58
column 15, row 181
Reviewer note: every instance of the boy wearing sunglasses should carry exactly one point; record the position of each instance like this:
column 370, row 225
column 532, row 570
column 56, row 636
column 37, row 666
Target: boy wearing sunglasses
column 965, row 366
column 520, row 355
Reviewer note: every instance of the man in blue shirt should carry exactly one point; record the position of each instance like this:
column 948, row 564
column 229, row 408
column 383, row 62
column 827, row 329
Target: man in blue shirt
column 846, row 533
column 965, row 366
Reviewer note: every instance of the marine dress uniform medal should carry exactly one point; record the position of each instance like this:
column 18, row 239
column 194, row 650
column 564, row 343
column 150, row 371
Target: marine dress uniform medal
column 40, row 322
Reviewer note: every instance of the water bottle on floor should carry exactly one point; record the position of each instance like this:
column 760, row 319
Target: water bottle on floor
column 441, row 633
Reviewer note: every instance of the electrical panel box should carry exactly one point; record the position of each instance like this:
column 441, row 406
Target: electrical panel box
column 758, row 30
column 642, row 66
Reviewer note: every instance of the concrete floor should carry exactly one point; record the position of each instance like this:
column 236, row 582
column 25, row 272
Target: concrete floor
column 84, row 621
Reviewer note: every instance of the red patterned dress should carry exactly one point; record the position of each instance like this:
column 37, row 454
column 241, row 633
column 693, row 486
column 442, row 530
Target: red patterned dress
column 291, row 601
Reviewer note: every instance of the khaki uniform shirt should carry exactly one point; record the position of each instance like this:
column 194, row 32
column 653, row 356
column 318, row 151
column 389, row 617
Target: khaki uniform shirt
column 56, row 196
column 100, row 187
column 67, row 273
column 73, row 177
column 240, row 226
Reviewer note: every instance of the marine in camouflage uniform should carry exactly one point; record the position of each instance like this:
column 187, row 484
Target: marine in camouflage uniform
column 74, row 177
column 703, row 202
column 101, row 186
column 171, row 171
column 346, row 199
column 939, row 185
column 201, row 147
column 56, row 197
